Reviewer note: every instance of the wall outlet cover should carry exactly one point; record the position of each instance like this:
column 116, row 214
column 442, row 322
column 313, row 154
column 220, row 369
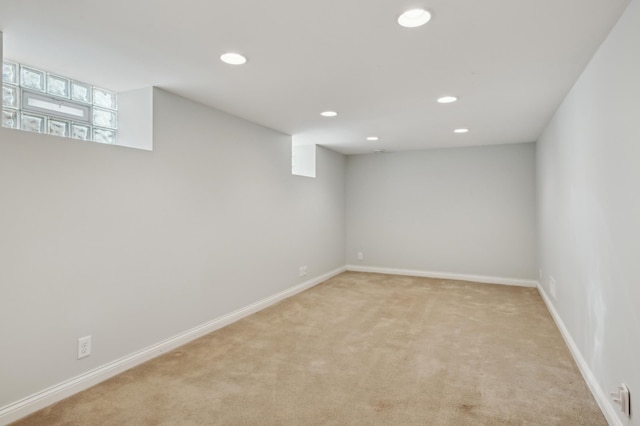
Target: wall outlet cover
column 552, row 286
column 302, row 271
column 622, row 397
column 84, row 347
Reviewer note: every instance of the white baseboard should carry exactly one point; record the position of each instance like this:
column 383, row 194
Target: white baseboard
column 445, row 275
column 35, row 402
column 600, row 396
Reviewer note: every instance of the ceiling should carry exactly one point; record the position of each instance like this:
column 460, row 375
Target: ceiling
column 510, row 62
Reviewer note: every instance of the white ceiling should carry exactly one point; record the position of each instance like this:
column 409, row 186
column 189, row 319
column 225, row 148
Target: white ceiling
column 511, row 62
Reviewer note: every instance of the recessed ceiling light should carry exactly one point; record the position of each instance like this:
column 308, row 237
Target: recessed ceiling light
column 233, row 59
column 461, row 131
column 414, row 18
column 328, row 113
column 373, row 138
column 447, row 99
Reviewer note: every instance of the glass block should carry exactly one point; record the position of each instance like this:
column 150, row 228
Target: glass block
column 33, row 123
column 58, row 127
column 58, row 86
column 9, row 73
column 10, row 119
column 105, row 118
column 104, row 98
column 10, row 96
column 81, row 131
column 80, row 92
column 104, row 136
column 32, row 78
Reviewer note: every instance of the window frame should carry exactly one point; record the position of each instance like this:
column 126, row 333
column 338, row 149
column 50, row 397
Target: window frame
column 57, row 105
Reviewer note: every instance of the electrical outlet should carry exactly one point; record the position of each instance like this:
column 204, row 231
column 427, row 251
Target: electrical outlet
column 360, row 255
column 302, row 271
column 84, row 347
column 552, row 286
column 622, row 397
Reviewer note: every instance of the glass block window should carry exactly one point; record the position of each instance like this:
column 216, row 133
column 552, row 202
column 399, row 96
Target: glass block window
column 38, row 101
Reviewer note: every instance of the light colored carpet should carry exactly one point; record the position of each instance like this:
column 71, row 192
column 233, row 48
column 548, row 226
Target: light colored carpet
column 359, row 349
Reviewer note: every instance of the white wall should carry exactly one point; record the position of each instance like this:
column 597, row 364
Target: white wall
column 589, row 212
column 133, row 247
column 462, row 211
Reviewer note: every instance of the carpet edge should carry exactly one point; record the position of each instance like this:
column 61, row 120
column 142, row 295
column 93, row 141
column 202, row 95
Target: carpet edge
column 446, row 275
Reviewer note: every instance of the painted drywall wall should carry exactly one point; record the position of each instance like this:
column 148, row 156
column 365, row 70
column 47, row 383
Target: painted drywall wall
column 589, row 211
column 462, row 211
column 133, row 247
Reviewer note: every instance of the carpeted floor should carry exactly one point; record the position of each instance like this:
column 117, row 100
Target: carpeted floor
column 359, row 349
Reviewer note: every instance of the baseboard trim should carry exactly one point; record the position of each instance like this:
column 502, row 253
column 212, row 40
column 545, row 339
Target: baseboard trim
column 37, row 401
column 445, row 275
column 600, row 396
